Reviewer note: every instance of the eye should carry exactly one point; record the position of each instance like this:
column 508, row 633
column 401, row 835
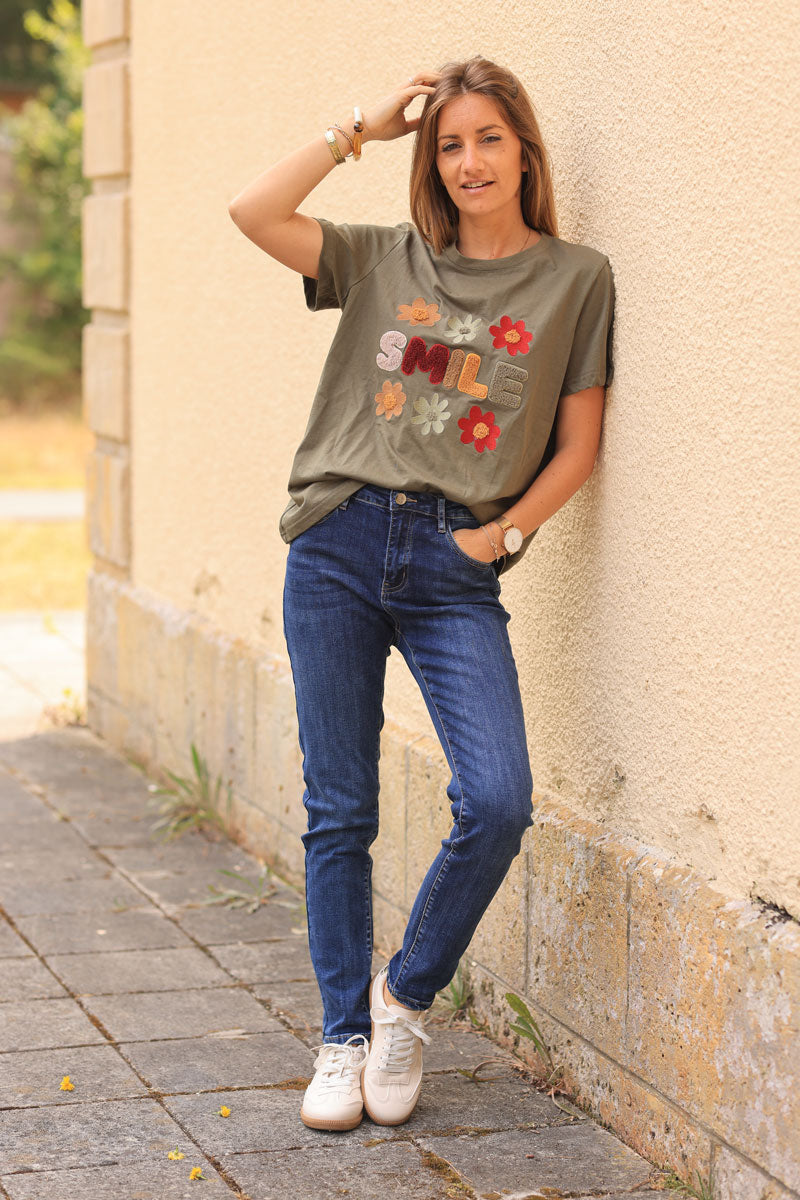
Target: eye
column 490, row 137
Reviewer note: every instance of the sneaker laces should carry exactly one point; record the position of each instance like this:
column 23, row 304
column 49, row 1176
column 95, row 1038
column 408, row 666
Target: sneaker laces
column 398, row 1049
column 338, row 1063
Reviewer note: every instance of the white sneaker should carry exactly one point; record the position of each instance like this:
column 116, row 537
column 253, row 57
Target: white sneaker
column 333, row 1099
column 392, row 1078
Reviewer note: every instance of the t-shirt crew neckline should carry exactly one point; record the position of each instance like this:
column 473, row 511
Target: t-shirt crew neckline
column 494, row 264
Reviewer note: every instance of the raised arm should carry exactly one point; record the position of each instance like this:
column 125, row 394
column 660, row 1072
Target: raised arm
column 266, row 210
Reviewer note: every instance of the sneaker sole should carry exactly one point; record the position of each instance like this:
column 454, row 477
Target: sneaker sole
column 331, row 1123
column 382, row 1120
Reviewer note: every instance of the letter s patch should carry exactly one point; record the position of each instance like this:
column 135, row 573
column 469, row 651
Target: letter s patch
column 392, row 344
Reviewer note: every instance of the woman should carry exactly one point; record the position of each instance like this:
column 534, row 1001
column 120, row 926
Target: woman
column 459, row 407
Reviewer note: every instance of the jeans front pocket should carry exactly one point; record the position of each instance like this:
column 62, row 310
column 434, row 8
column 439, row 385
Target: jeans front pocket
column 451, row 541
column 329, row 515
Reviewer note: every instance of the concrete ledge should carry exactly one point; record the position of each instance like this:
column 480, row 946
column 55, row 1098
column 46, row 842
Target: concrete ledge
column 672, row 1010
column 106, row 129
column 106, row 380
column 105, row 228
column 108, row 492
column 104, row 21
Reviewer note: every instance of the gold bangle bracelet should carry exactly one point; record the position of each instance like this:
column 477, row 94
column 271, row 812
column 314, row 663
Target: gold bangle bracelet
column 330, row 138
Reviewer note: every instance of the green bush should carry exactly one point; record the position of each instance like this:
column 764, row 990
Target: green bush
column 24, row 63
column 40, row 355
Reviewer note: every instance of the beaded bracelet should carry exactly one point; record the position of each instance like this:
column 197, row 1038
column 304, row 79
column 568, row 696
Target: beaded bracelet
column 492, row 542
column 358, row 130
column 355, row 140
column 336, row 125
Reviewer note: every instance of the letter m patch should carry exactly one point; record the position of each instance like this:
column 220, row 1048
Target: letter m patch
column 419, row 357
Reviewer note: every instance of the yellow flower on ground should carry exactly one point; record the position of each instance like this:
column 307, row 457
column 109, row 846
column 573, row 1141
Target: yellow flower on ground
column 175, row 1154
column 67, row 1085
column 196, row 1173
column 224, row 1111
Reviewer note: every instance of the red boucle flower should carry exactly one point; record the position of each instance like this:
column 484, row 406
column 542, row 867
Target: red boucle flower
column 479, row 427
column 511, row 334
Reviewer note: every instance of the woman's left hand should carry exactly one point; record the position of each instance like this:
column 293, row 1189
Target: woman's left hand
column 475, row 544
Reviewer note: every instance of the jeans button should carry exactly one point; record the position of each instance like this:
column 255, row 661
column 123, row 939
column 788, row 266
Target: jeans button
column 401, row 497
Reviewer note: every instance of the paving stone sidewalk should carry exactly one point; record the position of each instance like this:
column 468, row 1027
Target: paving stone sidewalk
column 42, row 656
column 41, row 504
column 162, row 1009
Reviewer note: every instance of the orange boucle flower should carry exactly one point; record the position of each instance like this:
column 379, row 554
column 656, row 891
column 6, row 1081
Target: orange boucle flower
column 419, row 313
column 224, row 1111
column 390, row 400
column 67, row 1085
column 196, row 1173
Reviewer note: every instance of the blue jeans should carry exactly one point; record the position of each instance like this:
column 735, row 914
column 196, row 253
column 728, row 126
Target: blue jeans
column 383, row 569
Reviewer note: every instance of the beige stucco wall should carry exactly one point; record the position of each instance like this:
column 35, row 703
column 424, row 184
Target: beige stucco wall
column 652, row 623
column 653, row 619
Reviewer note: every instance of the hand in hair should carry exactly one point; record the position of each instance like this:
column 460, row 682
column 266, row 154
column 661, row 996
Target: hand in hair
column 386, row 120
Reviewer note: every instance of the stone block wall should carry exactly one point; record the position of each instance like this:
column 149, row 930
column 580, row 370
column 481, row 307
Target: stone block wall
column 671, row 1009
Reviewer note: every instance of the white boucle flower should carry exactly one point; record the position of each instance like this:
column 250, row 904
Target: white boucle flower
column 430, row 414
column 462, row 329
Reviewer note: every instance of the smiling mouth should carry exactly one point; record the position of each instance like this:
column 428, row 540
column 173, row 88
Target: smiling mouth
column 477, row 187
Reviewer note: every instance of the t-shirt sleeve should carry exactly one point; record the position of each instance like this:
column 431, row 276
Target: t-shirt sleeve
column 590, row 361
column 349, row 253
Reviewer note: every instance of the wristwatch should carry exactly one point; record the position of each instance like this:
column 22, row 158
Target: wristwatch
column 512, row 537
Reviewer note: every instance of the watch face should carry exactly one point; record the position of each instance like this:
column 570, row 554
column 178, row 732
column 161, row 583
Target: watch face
column 513, row 540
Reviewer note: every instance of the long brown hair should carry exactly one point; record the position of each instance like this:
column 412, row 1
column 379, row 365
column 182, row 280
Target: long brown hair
column 432, row 210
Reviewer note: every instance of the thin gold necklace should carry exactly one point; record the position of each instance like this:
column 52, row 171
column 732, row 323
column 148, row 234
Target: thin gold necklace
column 522, row 247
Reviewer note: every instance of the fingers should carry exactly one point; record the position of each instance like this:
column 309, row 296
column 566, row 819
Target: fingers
column 414, row 89
column 424, row 79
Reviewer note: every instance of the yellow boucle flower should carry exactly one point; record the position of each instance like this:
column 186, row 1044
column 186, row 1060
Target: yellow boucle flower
column 175, row 1154
column 196, row 1173
column 67, row 1085
column 224, row 1111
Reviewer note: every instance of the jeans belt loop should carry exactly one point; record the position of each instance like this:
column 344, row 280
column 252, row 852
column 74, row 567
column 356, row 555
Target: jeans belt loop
column 442, row 514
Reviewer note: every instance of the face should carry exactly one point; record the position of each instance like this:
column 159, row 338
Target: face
column 475, row 145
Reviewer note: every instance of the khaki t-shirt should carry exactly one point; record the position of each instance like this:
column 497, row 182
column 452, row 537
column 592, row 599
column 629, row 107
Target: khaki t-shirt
column 445, row 372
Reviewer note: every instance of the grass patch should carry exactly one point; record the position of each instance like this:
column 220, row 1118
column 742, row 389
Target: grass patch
column 47, row 449
column 43, row 565
column 191, row 802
